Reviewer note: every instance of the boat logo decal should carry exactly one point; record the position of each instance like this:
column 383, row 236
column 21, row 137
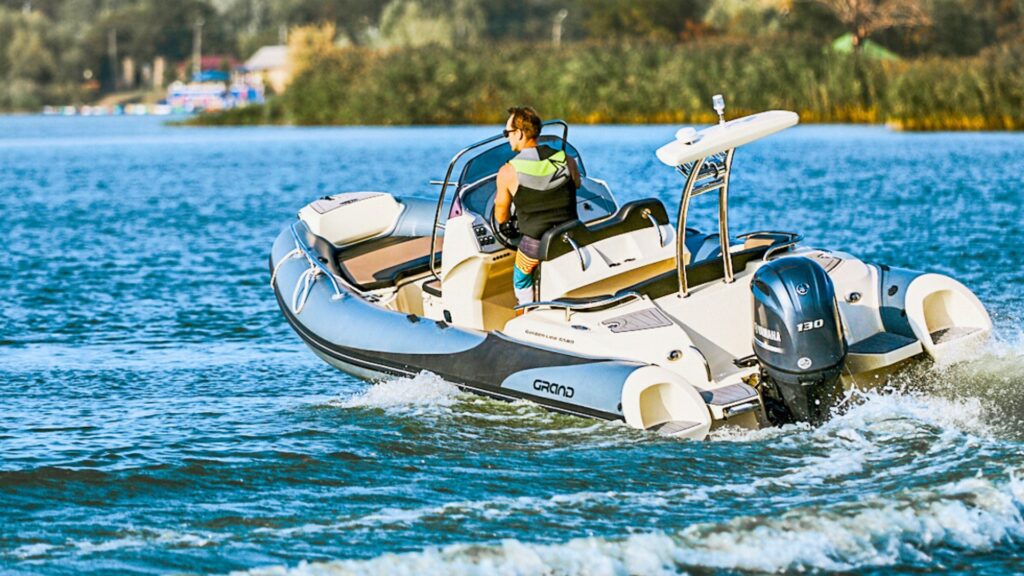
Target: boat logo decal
column 553, row 388
column 767, row 333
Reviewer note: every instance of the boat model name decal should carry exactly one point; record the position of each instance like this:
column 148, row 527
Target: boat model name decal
column 553, row 388
column 550, row 337
column 767, row 333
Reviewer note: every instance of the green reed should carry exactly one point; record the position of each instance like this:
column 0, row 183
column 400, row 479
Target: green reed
column 644, row 83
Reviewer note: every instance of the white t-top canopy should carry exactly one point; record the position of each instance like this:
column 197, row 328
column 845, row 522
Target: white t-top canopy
column 691, row 145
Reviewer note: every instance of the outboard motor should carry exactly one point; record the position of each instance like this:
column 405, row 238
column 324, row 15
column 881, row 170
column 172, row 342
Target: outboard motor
column 798, row 337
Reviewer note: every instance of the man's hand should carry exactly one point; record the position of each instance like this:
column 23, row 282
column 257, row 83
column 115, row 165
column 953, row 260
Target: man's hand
column 508, row 228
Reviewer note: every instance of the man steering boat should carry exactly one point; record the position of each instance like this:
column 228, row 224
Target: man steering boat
column 541, row 181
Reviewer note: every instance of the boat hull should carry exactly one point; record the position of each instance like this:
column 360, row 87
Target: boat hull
column 373, row 343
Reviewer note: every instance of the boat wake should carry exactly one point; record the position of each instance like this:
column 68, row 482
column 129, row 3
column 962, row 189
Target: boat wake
column 994, row 379
column 914, row 527
column 980, row 397
column 423, row 391
column 901, row 478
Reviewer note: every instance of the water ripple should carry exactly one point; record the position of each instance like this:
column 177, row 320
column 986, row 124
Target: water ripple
column 159, row 416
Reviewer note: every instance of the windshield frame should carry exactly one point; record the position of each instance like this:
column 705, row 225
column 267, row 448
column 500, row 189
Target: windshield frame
column 448, row 180
column 468, row 176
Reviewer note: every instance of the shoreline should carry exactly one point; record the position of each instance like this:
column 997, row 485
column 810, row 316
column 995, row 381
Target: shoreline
column 962, row 124
column 956, row 125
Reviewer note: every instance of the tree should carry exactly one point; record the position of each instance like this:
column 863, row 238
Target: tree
column 648, row 19
column 419, row 23
column 350, row 17
column 309, row 45
column 28, row 64
column 747, row 17
column 863, row 18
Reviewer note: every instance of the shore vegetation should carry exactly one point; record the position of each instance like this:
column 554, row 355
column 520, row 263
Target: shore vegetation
column 640, row 82
column 916, row 64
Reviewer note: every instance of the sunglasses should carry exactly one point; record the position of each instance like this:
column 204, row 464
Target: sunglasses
column 506, row 132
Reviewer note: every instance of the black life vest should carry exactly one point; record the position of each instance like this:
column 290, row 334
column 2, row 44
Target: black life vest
column 546, row 196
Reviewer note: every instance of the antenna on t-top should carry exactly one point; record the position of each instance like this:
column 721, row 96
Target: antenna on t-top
column 719, row 103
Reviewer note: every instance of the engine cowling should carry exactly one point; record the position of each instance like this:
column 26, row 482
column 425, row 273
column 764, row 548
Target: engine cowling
column 798, row 336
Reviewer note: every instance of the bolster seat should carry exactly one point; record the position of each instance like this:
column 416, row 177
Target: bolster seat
column 630, row 217
column 578, row 259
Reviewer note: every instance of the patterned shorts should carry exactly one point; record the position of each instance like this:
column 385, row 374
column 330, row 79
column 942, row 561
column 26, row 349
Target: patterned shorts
column 527, row 258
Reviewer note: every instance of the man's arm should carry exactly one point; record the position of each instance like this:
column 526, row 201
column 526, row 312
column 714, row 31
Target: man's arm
column 506, row 183
column 574, row 171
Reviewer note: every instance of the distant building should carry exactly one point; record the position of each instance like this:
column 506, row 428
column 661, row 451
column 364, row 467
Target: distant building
column 213, row 90
column 271, row 64
column 208, row 62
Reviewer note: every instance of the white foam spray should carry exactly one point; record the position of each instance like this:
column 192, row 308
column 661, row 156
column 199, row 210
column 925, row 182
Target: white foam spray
column 423, row 390
column 973, row 514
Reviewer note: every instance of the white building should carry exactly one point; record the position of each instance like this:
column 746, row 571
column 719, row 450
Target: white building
column 271, row 63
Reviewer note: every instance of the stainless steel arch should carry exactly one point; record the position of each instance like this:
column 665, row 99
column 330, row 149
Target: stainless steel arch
column 705, row 175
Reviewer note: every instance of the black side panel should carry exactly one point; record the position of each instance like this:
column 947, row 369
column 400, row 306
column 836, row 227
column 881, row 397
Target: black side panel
column 482, row 368
column 327, row 252
column 486, row 365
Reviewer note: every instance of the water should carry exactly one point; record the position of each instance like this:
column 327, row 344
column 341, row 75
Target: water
column 159, row 416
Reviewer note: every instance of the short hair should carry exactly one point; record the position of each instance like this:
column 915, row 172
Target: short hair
column 526, row 119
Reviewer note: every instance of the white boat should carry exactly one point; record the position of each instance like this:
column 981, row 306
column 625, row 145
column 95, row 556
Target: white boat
column 636, row 318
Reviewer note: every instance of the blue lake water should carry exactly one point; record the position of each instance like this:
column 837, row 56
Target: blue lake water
column 159, row 416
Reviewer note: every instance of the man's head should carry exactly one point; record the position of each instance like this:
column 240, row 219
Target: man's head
column 522, row 127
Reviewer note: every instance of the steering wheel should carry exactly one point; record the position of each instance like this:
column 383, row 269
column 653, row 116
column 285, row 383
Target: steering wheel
column 507, row 234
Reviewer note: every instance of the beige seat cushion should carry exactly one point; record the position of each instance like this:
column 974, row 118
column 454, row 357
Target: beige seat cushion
column 367, row 269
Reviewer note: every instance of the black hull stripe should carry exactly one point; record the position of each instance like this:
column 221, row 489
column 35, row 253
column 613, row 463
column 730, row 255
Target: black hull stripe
column 497, row 356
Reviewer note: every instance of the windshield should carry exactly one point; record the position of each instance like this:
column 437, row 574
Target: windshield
column 489, row 161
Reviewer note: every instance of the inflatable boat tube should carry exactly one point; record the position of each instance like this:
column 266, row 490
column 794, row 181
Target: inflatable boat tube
column 373, row 343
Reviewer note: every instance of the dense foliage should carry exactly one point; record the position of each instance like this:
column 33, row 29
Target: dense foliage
column 648, row 82
column 397, row 61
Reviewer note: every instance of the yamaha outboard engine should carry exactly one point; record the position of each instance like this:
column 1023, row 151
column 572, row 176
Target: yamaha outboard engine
column 798, row 337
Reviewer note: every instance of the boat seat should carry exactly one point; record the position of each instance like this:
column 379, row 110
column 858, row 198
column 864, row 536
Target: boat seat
column 582, row 259
column 707, row 246
column 709, row 270
column 704, row 247
column 630, row 217
column 395, row 260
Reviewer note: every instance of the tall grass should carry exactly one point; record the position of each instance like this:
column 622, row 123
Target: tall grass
column 644, row 83
column 981, row 93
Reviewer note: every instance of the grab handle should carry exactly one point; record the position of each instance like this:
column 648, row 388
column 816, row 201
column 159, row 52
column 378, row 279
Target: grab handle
column 576, row 247
column 650, row 216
